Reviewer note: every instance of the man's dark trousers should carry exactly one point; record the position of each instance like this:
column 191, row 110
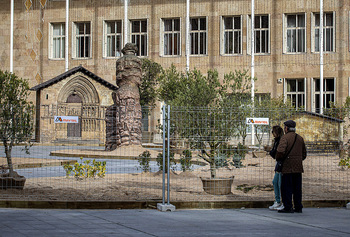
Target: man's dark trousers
column 291, row 189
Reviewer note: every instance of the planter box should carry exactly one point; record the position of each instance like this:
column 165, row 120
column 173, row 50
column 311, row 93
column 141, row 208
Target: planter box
column 217, row 186
column 15, row 182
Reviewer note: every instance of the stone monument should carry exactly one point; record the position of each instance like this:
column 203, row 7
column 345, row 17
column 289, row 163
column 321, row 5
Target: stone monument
column 123, row 118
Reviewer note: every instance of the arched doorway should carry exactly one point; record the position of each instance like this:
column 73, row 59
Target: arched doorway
column 75, row 107
column 79, row 97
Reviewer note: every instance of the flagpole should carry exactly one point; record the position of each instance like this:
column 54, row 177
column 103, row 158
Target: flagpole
column 67, row 34
column 252, row 65
column 11, row 37
column 126, row 22
column 187, row 35
column 321, row 56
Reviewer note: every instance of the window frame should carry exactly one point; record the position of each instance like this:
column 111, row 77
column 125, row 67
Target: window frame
column 325, row 93
column 172, row 32
column 222, row 35
column 61, row 37
column 116, row 34
column 286, row 93
column 325, row 27
column 285, row 32
column 199, row 38
column 140, row 33
column 74, row 38
column 249, row 50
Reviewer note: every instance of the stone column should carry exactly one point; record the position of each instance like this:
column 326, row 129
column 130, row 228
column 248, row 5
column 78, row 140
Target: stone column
column 123, row 118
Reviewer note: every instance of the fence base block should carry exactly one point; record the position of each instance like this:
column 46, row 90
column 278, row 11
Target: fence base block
column 348, row 206
column 165, row 207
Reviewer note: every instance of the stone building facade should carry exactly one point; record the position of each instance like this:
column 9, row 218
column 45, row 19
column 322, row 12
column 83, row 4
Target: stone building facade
column 77, row 92
column 286, row 35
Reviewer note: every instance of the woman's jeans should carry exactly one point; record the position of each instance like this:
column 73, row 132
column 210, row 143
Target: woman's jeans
column 277, row 180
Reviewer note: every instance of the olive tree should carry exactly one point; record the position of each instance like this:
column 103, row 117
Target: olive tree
column 16, row 114
column 201, row 113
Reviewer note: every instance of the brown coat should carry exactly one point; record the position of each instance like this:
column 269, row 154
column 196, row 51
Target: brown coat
column 294, row 162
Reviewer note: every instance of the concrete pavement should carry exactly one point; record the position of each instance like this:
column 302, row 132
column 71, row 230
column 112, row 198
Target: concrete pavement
column 182, row 222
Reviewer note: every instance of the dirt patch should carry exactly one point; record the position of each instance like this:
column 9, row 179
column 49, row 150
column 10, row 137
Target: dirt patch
column 323, row 180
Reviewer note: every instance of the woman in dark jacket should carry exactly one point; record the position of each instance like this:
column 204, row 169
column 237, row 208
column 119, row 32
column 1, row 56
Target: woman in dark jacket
column 277, row 132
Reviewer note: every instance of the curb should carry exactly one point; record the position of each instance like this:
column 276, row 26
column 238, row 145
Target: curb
column 153, row 204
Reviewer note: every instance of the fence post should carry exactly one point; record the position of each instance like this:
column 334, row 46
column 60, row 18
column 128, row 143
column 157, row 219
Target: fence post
column 168, row 155
column 166, row 142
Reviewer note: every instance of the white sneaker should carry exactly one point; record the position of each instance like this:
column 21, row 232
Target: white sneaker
column 280, row 207
column 275, row 206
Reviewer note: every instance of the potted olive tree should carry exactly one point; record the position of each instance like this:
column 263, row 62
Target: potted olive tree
column 206, row 116
column 16, row 123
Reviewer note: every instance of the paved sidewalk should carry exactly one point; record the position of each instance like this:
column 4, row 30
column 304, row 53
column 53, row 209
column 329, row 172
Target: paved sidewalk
column 146, row 222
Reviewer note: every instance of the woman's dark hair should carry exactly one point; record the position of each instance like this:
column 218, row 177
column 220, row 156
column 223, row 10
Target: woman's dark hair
column 277, row 130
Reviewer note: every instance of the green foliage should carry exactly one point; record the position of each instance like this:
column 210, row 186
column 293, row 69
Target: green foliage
column 150, row 73
column 144, row 160
column 236, row 100
column 16, row 113
column 171, row 159
column 231, row 155
column 220, row 111
column 186, row 160
column 86, row 169
column 344, row 163
column 339, row 111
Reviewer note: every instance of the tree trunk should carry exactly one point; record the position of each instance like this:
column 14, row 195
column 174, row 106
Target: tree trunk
column 9, row 158
column 212, row 167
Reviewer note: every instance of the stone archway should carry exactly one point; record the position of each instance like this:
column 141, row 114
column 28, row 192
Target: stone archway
column 81, row 87
column 79, row 97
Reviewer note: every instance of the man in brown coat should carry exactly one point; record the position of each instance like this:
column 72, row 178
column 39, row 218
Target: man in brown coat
column 291, row 187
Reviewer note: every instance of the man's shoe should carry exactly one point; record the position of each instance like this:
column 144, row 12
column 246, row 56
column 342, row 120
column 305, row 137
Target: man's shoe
column 286, row 211
column 298, row 210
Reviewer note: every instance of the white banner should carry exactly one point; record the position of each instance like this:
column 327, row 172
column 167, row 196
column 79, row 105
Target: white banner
column 66, row 119
column 258, row 121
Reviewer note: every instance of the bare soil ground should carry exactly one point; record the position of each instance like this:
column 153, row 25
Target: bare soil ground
column 323, row 180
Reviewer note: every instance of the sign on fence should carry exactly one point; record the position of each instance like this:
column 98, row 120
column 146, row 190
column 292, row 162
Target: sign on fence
column 258, row 121
column 66, row 119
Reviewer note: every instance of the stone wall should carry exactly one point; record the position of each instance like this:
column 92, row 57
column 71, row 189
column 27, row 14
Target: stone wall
column 317, row 129
column 268, row 67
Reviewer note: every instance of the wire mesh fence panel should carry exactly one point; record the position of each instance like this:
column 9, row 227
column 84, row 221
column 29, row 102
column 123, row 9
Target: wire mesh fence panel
column 218, row 164
column 204, row 144
column 66, row 165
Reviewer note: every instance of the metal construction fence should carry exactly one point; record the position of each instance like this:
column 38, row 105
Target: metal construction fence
column 210, row 154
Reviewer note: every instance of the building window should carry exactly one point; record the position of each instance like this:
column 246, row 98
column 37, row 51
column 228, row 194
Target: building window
column 328, row 93
column 232, row 35
column 139, row 36
column 295, row 92
column 295, row 36
column 261, row 33
column 113, row 39
column 328, row 32
column 57, row 41
column 171, row 37
column 82, row 40
column 198, row 36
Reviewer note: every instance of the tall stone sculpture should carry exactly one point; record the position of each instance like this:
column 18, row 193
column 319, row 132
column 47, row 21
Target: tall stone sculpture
column 123, row 118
